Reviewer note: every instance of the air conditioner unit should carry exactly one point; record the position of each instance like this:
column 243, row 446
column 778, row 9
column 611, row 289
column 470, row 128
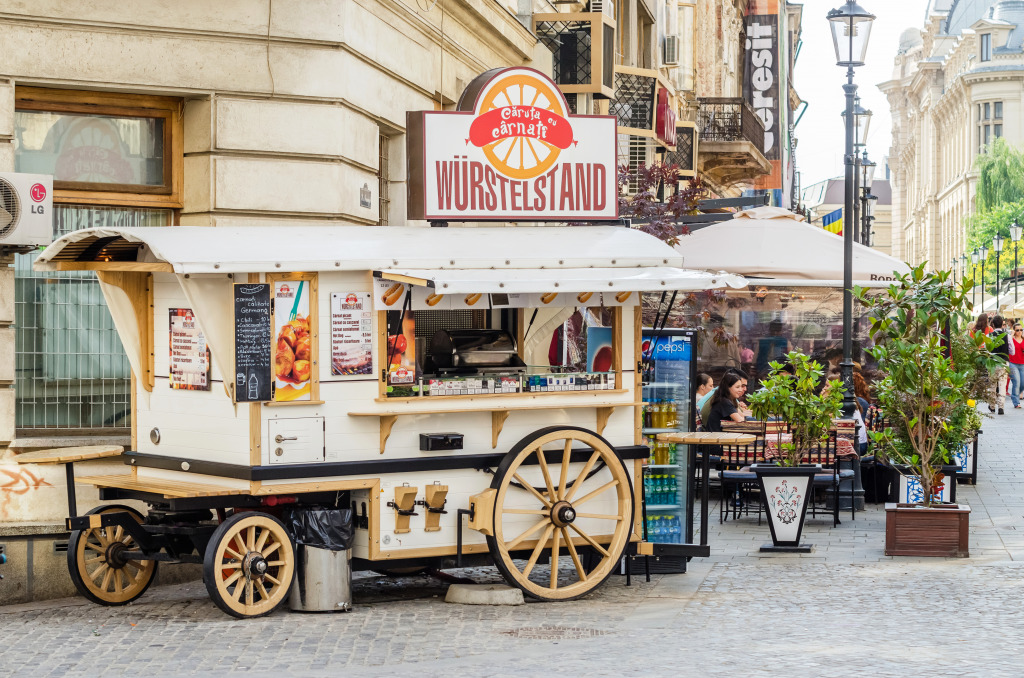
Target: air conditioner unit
column 604, row 6
column 26, row 209
column 670, row 55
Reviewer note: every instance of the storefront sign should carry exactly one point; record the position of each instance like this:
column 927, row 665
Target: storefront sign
column 763, row 87
column 512, row 152
column 351, row 334
column 253, row 375
column 293, row 351
column 189, row 367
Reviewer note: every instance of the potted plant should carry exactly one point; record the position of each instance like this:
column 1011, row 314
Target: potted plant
column 793, row 393
column 932, row 370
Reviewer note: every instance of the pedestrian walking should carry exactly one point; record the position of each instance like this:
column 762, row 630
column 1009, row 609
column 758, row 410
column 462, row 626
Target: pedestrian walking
column 1016, row 364
column 1001, row 348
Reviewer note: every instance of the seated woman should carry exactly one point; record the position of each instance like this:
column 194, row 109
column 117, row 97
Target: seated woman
column 725, row 403
column 705, row 389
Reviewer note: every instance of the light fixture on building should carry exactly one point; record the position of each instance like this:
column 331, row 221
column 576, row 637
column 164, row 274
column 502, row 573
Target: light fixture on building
column 851, row 28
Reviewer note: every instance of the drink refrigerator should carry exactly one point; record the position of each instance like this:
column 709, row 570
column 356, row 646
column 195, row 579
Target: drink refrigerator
column 670, row 372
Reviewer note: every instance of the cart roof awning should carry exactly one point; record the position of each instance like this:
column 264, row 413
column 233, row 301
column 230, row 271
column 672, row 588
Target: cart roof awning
column 539, row 281
column 283, row 248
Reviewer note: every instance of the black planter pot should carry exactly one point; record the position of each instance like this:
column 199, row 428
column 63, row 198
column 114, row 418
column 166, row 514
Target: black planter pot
column 786, row 492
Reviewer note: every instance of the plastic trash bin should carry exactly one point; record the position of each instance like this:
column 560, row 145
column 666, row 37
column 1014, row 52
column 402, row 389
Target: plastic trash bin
column 323, row 555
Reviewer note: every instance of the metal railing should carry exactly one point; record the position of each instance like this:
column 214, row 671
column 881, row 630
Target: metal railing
column 729, row 119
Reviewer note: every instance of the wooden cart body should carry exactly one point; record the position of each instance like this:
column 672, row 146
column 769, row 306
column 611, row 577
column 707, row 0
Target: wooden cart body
column 204, row 448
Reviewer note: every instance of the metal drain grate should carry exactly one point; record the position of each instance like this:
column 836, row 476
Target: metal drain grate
column 553, row 632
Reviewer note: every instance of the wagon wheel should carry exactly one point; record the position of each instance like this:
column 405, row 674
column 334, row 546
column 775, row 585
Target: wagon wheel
column 97, row 567
column 548, row 504
column 249, row 565
column 520, row 157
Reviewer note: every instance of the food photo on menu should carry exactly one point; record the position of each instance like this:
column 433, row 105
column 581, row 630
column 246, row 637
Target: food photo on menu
column 293, row 351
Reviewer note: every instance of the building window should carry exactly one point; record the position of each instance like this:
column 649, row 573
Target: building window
column 986, row 47
column 116, row 161
column 990, row 123
column 383, row 179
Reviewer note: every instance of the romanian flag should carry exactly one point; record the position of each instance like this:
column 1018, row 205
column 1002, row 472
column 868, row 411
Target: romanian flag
column 833, row 222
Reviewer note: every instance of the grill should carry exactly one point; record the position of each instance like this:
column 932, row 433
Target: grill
column 474, row 352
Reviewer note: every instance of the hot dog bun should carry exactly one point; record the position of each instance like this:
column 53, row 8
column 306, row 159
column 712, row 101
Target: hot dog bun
column 583, row 297
column 472, row 299
column 433, row 299
column 391, row 297
column 549, row 297
column 622, row 296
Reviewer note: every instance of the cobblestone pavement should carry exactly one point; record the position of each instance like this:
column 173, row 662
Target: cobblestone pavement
column 844, row 609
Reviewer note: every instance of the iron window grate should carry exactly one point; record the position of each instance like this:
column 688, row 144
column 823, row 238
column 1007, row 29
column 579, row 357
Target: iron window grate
column 633, row 104
column 571, row 46
column 683, row 155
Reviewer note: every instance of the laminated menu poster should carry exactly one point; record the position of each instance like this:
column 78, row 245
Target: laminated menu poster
column 253, row 374
column 351, row 334
column 189, row 355
column 293, row 349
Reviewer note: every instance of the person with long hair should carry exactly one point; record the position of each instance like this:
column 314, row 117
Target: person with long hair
column 705, row 389
column 981, row 325
column 1015, row 347
column 1001, row 348
column 861, row 391
column 725, row 404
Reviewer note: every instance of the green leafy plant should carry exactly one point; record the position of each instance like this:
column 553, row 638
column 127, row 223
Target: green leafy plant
column 932, row 370
column 799, row 399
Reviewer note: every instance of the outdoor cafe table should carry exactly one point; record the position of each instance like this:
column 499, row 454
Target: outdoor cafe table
column 706, row 438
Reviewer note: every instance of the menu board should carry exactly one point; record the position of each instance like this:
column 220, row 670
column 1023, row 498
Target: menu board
column 351, row 334
column 190, row 356
column 253, row 376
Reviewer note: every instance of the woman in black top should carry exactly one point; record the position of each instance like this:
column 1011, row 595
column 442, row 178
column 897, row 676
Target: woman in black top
column 725, row 403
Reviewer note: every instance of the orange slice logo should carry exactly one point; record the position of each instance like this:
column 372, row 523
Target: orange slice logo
column 521, row 126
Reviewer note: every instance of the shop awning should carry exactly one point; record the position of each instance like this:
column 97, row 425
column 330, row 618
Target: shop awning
column 283, row 249
column 540, row 281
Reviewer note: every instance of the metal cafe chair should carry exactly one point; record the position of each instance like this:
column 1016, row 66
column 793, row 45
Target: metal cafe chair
column 738, row 481
column 826, row 454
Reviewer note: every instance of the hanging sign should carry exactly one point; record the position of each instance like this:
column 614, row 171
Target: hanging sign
column 189, row 367
column 351, row 334
column 253, row 377
column 511, row 152
column 293, row 348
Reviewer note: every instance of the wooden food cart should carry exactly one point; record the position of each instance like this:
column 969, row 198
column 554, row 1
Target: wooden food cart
column 385, row 369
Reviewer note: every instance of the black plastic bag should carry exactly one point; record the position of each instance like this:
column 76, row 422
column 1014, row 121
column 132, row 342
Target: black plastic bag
column 321, row 528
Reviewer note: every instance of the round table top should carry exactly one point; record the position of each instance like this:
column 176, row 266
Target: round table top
column 707, row 438
column 64, row 455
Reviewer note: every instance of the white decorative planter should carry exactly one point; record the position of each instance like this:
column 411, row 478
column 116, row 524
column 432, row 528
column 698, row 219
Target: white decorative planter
column 786, row 491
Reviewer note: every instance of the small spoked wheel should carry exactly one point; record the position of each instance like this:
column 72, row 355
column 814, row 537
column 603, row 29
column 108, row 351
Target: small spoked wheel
column 560, row 491
column 249, row 565
column 98, row 566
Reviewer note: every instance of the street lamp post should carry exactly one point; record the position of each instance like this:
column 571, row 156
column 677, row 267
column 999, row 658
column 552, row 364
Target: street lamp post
column 974, row 276
column 997, row 245
column 867, row 181
column 1015, row 232
column 983, row 257
column 963, row 267
column 851, row 29
column 953, row 269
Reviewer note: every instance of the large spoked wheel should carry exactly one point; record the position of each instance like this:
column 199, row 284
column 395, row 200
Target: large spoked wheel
column 98, row 567
column 249, row 565
column 550, row 504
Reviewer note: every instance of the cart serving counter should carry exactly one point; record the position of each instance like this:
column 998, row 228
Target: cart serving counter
column 393, row 370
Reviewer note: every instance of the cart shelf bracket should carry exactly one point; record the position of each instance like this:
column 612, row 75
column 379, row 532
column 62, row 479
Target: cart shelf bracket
column 482, row 506
column 387, row 422
column 405, row 501
column 498, row 418
column 603, row 413
column 434, row 504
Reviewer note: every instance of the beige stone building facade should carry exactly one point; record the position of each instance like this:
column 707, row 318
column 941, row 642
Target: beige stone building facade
column 957, row 85
column 828, row 196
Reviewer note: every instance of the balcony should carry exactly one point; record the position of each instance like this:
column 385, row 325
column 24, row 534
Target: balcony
column 731, row 141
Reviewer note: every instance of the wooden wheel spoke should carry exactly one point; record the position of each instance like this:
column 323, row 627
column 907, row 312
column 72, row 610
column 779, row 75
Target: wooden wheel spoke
column 270, row 549
column 263, row 590
column 118, row 584
column 583, row 475
column 542, row 458
column 554, row 558
column 100, row 534
column 241, row 544
column 528, row 512
column 529, row 488
column 250, row 538
column 230, row 565
column 236, row 595
column 262, row 541
column 98, row 571
column 234, row 554
column 590, row 540
column 574, row 555
column 249, row 592
column 610, row 484
column 233, row 578
column 272, row 579
column 541, row 543
column 105, row 584
column 95, row 547
column 97, row 559
column 598, row 516
column 276, row 563
column 564, row 476
column 119, row 533
column 518, row 540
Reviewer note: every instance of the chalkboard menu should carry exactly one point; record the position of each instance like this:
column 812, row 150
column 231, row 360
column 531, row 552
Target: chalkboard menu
column 253, row 374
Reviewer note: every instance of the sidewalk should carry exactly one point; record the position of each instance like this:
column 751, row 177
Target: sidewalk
column 845, row 609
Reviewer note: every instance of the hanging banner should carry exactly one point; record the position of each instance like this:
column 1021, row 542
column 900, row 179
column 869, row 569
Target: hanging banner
column 293, row 345
column 763, row 85
column 351, row 334
column 189, row 367
column 511, row 152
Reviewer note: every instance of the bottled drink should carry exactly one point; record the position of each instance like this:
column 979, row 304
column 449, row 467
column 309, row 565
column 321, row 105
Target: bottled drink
column 673, row 419
column 672, row 453
column 659, row 415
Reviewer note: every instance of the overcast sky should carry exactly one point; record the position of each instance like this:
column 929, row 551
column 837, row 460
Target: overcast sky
column 819, row 82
